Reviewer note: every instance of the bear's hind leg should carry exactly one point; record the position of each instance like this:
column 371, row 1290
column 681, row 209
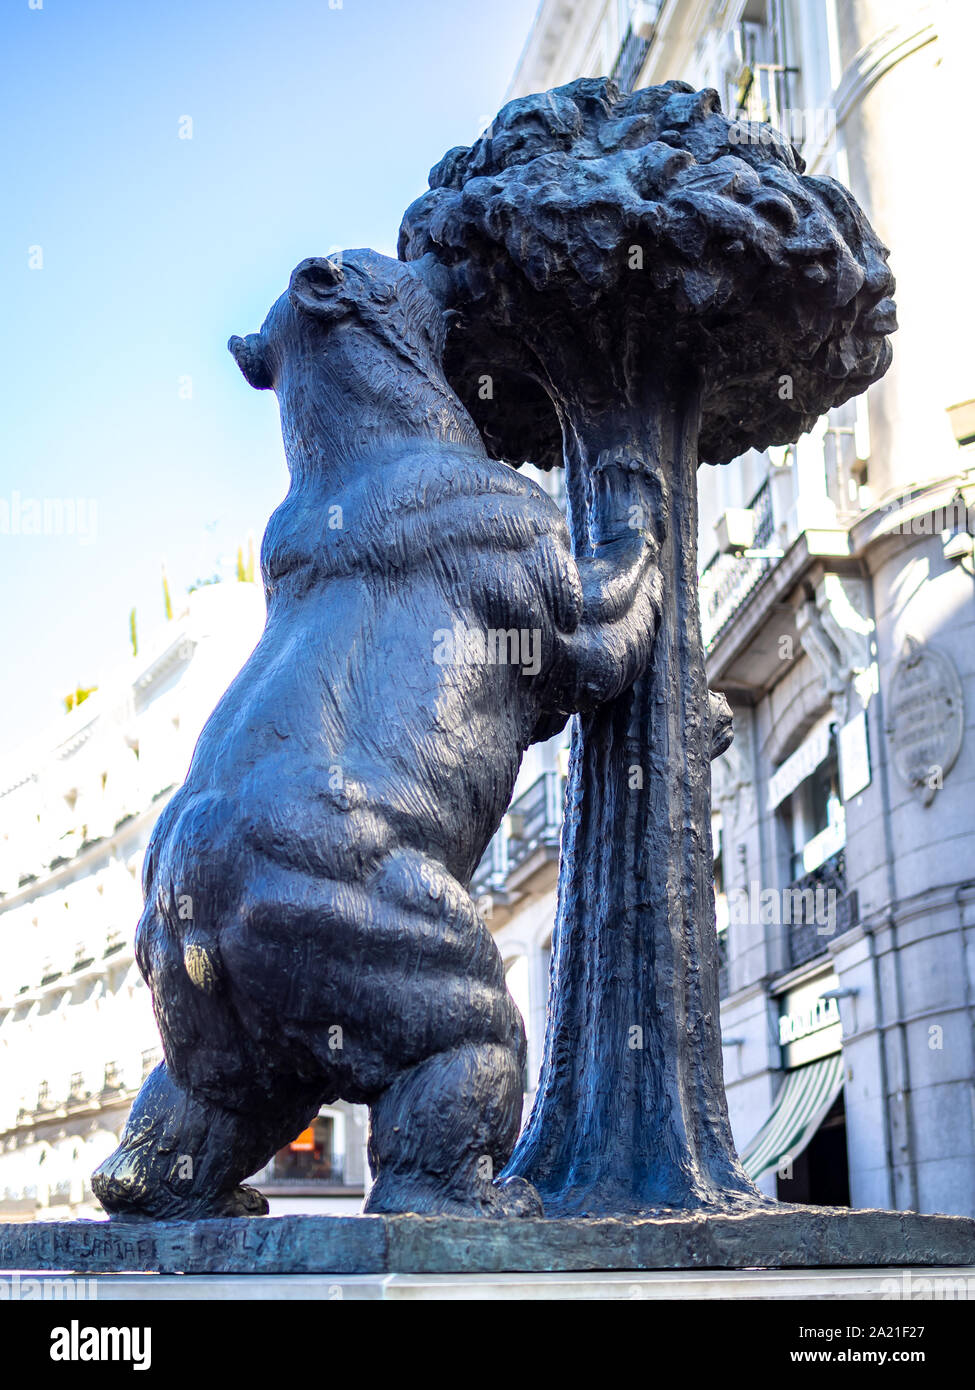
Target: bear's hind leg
column 183, row 1156
column 441, row 1133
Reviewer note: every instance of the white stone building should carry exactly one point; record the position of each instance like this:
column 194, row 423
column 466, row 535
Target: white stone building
column 838, row 597
column 77, row 1034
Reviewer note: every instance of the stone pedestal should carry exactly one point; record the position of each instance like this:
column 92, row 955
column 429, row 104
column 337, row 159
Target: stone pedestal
column 777, row 1238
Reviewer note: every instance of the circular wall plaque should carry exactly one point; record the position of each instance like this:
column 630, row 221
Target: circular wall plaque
column 925, row 717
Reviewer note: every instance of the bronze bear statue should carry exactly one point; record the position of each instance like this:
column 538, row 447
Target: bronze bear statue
column 308, row 931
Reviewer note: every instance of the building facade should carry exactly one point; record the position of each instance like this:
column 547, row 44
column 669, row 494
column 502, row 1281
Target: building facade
column 77, row 1033
column 838, row 598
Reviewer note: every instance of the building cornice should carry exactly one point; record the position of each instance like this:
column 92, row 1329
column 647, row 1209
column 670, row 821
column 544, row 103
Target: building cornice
column 178, row 653
column 887, row 521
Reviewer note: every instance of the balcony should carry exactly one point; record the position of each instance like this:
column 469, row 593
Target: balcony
column 151, row 1060
column 630, row 59
column 534, row 820
column 529, row 835
column 83, row 958
column 78, row 1092
column 727, row 580
column 821, row 909
column 113, row 1078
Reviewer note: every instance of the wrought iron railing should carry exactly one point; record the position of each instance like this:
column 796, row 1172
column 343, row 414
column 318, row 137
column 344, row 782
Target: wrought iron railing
column 328, row 1174
column 535, row 819
column 629, row 61
column 819, row 909
column 490, row 874
column 150, row 1060
column 533, row 822
column 727, row 580
column 77, row 1090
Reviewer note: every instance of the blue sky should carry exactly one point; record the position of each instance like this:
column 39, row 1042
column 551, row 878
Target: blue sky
column 313, row 127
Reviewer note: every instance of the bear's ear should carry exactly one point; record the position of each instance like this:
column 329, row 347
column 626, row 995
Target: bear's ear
column 248, row 353
column 313, row 285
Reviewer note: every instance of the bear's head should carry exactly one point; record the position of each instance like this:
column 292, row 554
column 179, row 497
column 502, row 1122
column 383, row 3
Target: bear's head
column 397, row 304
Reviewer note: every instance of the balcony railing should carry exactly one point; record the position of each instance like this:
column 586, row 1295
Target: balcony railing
column 328, row 1174
column 533, row 824
column 821, row 909
column 150, row 1060
column 77, row 1090
column 727, row 580
column 490, row 874
column 535, row 819
column 629, row 61
column 113, row 1077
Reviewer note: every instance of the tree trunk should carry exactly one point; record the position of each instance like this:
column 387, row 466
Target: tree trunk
column 630, row 1115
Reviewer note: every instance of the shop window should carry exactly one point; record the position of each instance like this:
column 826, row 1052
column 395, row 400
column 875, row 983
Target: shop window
column 310, row 1157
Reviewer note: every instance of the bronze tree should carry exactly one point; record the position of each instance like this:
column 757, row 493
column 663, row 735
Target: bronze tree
column 642, row 285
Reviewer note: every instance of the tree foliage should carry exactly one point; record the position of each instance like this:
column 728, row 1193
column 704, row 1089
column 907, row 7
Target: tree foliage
column 585, row 207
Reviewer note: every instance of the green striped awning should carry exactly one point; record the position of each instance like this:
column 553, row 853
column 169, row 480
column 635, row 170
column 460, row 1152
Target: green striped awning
column 800, row 1107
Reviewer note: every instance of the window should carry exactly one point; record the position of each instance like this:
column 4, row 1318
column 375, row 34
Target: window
column 310, row 1157
column 763, row 82
column 814, row 819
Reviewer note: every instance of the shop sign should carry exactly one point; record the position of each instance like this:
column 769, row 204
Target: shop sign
column 809, row 1024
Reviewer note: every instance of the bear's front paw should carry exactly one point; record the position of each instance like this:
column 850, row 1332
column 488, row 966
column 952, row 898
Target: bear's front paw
column 519, row 1198
column 241, row 1201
